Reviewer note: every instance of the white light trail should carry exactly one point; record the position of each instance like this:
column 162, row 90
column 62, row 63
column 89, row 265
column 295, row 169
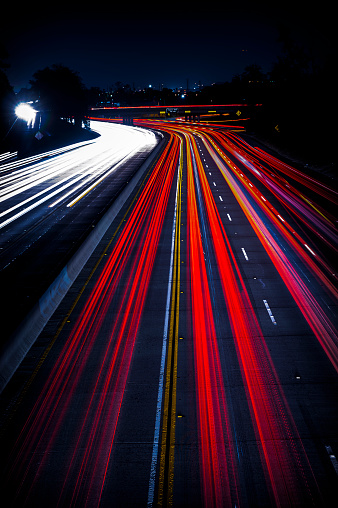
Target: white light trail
column 76, row 169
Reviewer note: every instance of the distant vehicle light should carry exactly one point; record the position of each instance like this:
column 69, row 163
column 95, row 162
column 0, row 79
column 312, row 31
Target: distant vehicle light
column 26, row 112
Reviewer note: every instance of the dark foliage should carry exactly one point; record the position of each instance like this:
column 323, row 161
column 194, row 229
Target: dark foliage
column 60, row 92
column 6, row 98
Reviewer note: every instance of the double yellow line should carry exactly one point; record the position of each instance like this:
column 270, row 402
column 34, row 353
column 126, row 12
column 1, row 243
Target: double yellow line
column 166, row 469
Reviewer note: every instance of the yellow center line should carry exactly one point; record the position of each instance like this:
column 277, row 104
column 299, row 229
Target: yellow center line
column 166, row 470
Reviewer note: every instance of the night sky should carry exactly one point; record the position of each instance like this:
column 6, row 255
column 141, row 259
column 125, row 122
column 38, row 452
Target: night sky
column 162, row 43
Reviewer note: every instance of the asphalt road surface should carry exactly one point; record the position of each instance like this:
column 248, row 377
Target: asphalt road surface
column 193, row 362
column 50, row 203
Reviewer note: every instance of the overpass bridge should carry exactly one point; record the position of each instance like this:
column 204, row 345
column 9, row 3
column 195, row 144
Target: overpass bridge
column 191, row 113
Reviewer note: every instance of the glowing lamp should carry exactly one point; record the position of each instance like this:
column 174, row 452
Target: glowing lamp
column 26, row 112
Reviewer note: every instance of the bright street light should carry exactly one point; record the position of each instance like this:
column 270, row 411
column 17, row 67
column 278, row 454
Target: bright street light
column 26, row 112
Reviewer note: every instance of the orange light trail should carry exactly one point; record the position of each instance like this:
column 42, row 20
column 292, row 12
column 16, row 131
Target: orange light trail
column 270, row 172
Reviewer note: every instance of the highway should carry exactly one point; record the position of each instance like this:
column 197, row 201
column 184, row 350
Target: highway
column 193, row 362
column 50, row 203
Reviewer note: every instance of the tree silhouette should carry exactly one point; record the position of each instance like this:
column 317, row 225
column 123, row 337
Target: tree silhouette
column 61, row 92
column 253, row 74
column 6, row 96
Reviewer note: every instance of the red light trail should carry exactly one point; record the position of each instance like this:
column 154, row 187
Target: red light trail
column 311, row 309
column 92, row 448
column 219, row 476
column 285, row 480
column 92, row 368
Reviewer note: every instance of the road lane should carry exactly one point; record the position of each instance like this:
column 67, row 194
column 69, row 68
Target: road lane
column 317, row 319
column 257, row 371
column 96, row 357
column 193, row 362
column 67, row 173
column 42, row 235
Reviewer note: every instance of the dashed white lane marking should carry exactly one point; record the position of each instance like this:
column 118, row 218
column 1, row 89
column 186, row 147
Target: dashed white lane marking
column 269, row 312
column 308, row 248
column 332, row 458
column 214, row 184
column 229, row 217
column 210, row 173
column 220, row 197
column 245, row 254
